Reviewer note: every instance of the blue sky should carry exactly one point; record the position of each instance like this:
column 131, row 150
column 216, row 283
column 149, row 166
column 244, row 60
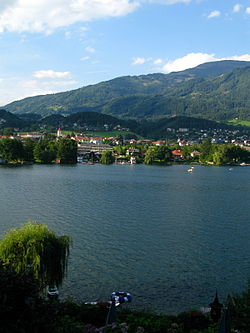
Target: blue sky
column 50, row 46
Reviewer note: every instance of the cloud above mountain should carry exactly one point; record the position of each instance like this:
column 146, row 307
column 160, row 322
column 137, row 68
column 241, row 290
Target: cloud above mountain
column 213, row 14
column 167, row 2
column 194, row 59
column 189, row 60
column 237, row 8
column 51, row 74
column 45, row 15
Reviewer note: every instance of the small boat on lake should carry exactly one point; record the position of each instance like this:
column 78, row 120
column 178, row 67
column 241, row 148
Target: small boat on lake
column 191, row 169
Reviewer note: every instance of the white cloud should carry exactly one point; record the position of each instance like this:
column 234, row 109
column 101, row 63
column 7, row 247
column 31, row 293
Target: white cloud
column 30, row 84
column 89, row 49
column 40, row 83
column 158, row 61
column 85, row 58
column 51, row 74
column 45, row 15
column 138, row 61
column 5, row 4
column 84, row 29
column 168, row 2
column 237, row 8
column 16, row 88
column 244, row 57
column 97, row 72
column 36, row 85
column 60, row 83
column 188, row 61
column 248, row 10
column 213, row 14
column 194, row 59
column 67, row 34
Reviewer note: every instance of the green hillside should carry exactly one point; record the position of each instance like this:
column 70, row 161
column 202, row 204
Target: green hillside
column 87, row 119
column 220, row 98
column 8, row 119
column 216, row 90
column 102, row 124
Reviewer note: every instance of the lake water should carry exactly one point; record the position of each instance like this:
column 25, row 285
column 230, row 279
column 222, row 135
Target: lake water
column 167, row 236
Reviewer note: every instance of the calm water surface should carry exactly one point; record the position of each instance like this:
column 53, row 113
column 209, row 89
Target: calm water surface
column 167, row 236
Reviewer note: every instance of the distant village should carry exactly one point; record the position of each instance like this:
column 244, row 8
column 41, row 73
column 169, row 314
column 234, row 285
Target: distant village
column 91, row 147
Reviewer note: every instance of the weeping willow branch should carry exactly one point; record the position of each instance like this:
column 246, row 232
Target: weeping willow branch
column 36, row 248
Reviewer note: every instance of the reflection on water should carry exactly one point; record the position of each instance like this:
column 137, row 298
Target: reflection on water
column 167, row 236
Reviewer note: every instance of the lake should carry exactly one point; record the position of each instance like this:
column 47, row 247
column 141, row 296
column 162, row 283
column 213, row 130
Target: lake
column 167, row 236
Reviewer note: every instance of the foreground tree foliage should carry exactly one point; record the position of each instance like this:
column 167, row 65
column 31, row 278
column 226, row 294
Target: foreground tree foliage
column 23, row 310
column 35, row 248
column 19, row 307
column 241, row 311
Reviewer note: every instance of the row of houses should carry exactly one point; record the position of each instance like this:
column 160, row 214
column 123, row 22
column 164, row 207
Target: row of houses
column 96, row 140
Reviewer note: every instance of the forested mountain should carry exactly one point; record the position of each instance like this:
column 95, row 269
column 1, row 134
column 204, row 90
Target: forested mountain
column 86, row 119
column 214, row 68
column 216, row 90
column 93, row 121
column 218, row 98
column 159, row 127
column 8, row 119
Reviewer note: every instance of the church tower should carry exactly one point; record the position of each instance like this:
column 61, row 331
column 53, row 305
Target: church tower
column 216, row 307
column 59, row 133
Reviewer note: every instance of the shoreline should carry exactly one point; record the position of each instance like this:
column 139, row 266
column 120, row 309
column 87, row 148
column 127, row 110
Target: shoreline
column 20, row 164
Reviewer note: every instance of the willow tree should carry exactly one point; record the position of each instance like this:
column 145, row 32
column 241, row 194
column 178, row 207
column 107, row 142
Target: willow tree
column 35, row 248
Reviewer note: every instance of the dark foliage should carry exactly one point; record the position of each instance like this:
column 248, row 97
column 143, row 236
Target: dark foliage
column 241, row 311
column 11, row 149
column 67, row 151
column 193, row 320
column 8, row 119
column 21, row 308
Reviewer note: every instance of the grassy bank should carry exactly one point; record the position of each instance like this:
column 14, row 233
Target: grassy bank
column 240, row 122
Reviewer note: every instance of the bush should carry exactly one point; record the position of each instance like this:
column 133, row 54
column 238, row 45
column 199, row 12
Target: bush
column 193, row 319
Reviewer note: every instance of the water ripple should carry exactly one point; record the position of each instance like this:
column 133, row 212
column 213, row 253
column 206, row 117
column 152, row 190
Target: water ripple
column 167, row 236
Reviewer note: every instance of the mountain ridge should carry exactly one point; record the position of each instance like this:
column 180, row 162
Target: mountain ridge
column 93, row 121
column 192, row 92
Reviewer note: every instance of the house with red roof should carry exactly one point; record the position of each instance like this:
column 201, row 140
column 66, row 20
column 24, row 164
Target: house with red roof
column 177, row 154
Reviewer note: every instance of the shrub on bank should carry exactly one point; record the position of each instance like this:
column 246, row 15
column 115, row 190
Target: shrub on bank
column 22, row 309
column 185, row 322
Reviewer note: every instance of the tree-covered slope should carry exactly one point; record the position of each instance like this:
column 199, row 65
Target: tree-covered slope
column 8, row 119
column 214, row 68
column 84, row 121
column 216, row 90
column 81, row 119
column 222, row 98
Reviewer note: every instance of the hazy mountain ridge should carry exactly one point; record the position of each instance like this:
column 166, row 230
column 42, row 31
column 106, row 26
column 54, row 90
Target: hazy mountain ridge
column 8, row 119
column 81, row 121
column 216, row 90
